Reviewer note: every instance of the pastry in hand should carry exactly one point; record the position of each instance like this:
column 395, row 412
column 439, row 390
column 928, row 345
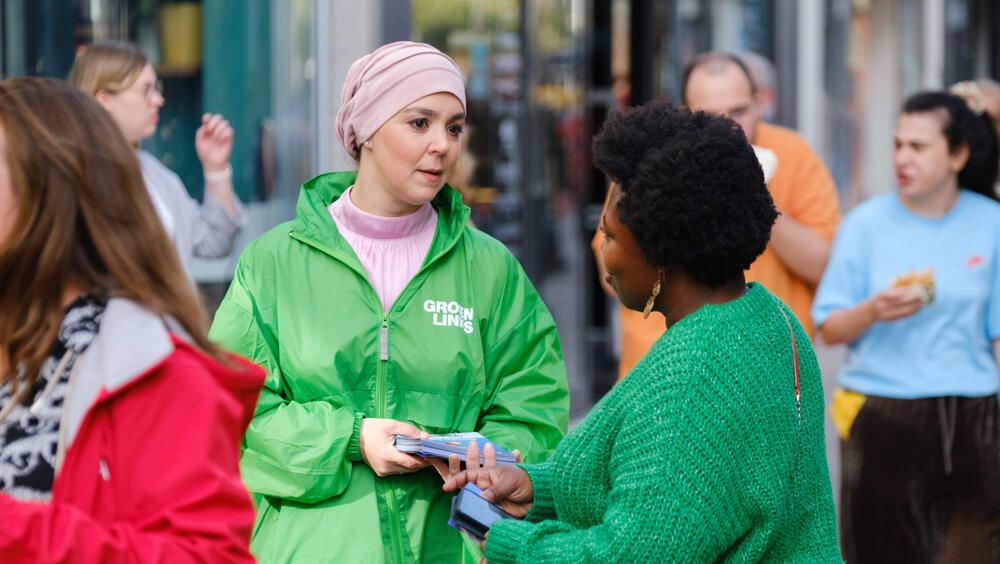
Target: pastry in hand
column 923, row 281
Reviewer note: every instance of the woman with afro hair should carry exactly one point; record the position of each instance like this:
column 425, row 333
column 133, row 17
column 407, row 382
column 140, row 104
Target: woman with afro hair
column 712, row 448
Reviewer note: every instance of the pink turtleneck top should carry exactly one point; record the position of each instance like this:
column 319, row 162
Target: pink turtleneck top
column 391, row 249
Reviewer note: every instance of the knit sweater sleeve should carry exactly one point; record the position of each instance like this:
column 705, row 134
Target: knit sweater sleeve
column 543, row 506
column 665, row 497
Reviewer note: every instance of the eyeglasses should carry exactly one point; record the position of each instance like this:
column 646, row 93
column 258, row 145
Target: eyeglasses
column 149, row 89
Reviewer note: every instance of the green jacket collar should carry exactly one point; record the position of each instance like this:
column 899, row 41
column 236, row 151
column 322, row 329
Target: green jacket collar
column 314, row 226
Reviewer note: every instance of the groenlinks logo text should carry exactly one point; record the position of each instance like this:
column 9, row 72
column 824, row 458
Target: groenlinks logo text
column 450, row 314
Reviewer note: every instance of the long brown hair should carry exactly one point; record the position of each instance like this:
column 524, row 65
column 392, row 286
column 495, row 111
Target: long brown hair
column 84, row 217
column 110, row 66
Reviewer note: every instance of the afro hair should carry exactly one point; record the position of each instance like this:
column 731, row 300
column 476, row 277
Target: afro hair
column 693, row 192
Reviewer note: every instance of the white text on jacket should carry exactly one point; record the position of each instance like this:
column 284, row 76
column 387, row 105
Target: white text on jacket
column 450, row 314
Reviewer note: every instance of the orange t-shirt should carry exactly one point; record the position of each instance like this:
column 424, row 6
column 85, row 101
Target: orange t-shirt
column 801, row 187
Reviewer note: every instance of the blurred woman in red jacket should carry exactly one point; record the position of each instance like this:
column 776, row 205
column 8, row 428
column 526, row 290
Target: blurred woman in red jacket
column 120, row 422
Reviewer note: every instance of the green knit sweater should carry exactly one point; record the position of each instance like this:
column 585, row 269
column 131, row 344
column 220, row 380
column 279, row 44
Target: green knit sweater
column 694, row 457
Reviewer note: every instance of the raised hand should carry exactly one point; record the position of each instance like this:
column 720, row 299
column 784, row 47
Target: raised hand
column 377, row 438
column 213, row 142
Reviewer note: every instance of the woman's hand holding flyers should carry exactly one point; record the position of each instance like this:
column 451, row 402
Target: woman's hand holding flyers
column 378, row 450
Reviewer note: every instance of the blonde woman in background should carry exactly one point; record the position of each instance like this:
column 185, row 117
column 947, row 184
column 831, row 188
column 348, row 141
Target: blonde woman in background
column 120, row 77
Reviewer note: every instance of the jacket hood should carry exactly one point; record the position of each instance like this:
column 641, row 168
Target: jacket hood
column 314, row 225
column 131, row 342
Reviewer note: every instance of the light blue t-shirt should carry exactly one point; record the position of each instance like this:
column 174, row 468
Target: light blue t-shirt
column 945, row 348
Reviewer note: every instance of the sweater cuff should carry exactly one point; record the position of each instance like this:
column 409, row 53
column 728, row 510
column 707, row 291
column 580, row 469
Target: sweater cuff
column 237, row 219
column 543, row 503
column 354, row 445
column 505, row 540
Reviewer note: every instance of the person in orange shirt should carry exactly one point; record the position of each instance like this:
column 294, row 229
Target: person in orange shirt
column 802, row 188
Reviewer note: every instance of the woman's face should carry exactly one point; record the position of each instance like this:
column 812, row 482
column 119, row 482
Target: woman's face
column 136, row 109
column 923, row 164
column 414, row 152
column 629, row 273
column 8, row 200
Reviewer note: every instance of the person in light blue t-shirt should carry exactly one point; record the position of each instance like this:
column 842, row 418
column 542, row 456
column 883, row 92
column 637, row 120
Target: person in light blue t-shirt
column 944, row 347
column 913, row 287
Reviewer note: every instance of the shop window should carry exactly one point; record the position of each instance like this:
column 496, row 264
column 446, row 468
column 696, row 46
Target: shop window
column 212, row 56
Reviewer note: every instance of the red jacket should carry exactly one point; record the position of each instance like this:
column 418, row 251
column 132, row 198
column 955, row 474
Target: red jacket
column 151, row 473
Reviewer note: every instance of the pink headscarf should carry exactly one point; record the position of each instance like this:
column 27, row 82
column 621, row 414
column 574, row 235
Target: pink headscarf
column 383, row 82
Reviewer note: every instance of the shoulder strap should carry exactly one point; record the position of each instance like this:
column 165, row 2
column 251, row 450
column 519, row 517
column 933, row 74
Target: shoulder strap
column 795, row 360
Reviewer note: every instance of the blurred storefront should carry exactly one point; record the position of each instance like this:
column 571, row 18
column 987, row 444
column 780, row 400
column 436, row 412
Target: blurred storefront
column 843, row 67
column 251, row 61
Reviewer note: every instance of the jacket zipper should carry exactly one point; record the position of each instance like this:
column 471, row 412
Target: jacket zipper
column 380, row 409
column 383, row 361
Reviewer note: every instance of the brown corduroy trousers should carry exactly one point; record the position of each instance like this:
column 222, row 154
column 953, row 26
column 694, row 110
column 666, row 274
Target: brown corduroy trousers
column 921, row 481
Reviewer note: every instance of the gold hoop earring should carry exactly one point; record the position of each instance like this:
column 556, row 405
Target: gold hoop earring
column 652, row 297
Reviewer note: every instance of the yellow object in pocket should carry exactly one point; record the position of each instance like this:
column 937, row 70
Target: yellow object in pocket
column 844, row 410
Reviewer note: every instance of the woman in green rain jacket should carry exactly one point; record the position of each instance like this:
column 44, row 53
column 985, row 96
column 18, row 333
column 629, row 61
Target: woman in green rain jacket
column 467, row 345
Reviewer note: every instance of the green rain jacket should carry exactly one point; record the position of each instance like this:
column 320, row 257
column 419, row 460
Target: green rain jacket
column 468, row 345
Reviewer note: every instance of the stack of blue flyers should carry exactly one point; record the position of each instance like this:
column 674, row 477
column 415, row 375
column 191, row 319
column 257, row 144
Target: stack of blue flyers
column 442, row 446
